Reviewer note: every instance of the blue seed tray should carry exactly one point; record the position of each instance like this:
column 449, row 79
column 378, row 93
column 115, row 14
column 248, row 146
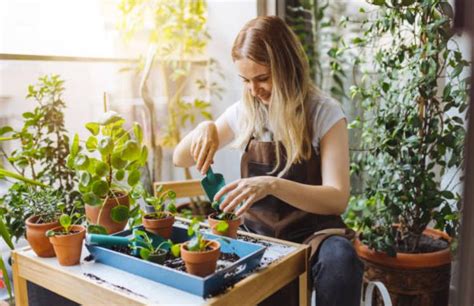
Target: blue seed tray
column 250, row 255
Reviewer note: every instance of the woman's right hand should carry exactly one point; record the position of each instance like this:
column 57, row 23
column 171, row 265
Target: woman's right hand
column 204, row 144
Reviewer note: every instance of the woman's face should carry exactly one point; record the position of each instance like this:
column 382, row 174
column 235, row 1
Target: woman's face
column 257, row 78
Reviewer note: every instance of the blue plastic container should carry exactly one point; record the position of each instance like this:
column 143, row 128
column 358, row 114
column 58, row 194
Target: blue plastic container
column 250, row 255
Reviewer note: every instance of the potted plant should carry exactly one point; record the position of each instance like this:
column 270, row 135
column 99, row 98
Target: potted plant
column 160, row 221
column 108, row 169
column 67, row 240
column 199, row 255
column 148, row 251
column 412, row 136
column 222, row 223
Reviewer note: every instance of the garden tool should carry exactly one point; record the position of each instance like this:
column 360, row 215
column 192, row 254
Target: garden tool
column 109, row 241
column 212, row 183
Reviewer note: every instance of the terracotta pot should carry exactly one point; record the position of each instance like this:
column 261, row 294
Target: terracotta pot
column 231, row 230
column 201, row 263
column 162, row 227
column 68, row 248
column 411, row 279
column 92, row 213
column 36, row 236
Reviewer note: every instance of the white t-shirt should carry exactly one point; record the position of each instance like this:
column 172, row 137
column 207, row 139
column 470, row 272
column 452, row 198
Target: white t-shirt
column 324, row 112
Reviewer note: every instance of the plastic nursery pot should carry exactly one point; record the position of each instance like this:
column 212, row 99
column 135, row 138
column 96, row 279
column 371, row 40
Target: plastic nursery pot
column 36, row 236
column 92, row 213
column 68, row 248
column 231, row 230
column 201, row 263
column 158, row 257
column 162, row 227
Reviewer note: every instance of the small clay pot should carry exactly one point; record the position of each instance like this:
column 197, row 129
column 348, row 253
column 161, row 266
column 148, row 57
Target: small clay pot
column 36, row 236
column 162, row 227
column 158, row 257
column 231, row 231
column 68, row 248
column 92, row 213
column 201, row 263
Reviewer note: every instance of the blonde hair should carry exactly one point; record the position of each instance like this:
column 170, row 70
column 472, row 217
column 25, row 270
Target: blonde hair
column 270, row 42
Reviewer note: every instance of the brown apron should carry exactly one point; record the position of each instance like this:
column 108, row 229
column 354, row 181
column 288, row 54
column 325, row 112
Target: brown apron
column 275, row 218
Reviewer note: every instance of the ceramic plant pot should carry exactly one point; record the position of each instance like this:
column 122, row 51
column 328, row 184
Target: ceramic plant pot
column 231, row 231
column 158, row 257
column 36, row 236
column 68, row 248
column 411, row 279
column 92, row 213
column 201, row 263
column 162, row 227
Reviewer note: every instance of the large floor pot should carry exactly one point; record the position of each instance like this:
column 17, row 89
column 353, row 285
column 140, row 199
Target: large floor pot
column 36, row 236
column 411, row 279
column 92, row 213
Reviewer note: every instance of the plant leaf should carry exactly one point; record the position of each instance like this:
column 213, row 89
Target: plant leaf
column 100, row 188
column 96, row 229
column 133, row 177
column 119, row 213
column 137, row 130
column 93, row 127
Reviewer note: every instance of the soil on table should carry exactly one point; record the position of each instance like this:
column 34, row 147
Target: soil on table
column 225, row 259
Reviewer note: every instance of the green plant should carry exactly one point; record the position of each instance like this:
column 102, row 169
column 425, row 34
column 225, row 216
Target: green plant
column 222, row 225
column 46, row 204
column 197, row 243
column 66, row 221
column 40, row 158
column 413, row 131
column 164, row 202
column 177, row 38
column 147, row 248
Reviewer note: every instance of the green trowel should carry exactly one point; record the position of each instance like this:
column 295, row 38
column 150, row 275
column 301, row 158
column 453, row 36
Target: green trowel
column 212, row 183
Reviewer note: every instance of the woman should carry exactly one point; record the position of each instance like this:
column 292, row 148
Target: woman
column 295, row 162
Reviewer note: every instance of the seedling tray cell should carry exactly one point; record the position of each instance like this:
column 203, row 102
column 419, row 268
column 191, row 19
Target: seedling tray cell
column 250, row 255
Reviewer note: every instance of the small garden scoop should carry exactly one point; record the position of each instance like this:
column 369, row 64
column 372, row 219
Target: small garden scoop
column 108, row 241
column 212, row 183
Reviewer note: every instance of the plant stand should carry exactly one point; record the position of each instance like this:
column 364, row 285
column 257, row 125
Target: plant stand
column 94, row 283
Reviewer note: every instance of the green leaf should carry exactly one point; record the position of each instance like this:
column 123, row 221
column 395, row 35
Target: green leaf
column 133, row 177
column 91, row 144
column 101, row 168
column 5, row 234
column 93, row 127
column 144, row 155
column 118, row 162
column 119, row 213
column 109, row 118
column 144, row 253
column 194, row 244
column 85, row 178
column 222, row 226
column 175, row 250
column 106, row 145
column 100, row 188
column 5, row 130
column 20, row 177
column 96, row 229
column 91, row 199
column 119, row 175
column 81, row 162
column 137, row 130
column 131, row 151
column 75, row 145
column 65, row 221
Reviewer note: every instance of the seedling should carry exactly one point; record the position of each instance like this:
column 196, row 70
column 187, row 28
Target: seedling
column 147, row 248
column 66, row 224
column 164, row 202
column 222, row 225
column 197, row 242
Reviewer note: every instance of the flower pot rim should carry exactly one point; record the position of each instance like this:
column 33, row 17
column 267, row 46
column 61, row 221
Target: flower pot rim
column 168, row 216
column 217, row 246
column 211, row 216
column 407, row 260
column 82, row 228
column 29, row 222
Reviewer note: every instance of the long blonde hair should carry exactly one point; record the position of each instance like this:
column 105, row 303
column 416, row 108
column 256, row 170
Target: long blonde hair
column 270, row 42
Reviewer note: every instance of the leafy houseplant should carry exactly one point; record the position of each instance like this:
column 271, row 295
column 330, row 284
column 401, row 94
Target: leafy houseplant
column 41, row 156
column 199, row 255
column 413, row 135
column 109, row 170
column 222, row 223
column 160, row 221
column 155, row 254
column 67, row 240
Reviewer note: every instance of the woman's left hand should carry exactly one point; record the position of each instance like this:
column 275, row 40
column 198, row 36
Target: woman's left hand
column 247, row 190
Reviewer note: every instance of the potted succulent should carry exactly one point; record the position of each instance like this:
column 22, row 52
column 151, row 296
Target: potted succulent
column 67, row 240
column 160, row 221
column 199, row 255
column 108, row 169
column 412, row 136
column 222, row 223
column 149, row 251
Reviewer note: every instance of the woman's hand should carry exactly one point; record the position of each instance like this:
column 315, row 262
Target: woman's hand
column 247, row 190
column 204, row 144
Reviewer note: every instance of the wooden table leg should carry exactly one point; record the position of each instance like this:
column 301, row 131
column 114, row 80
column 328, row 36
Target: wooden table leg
column 305, row 295
column 21, row 292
